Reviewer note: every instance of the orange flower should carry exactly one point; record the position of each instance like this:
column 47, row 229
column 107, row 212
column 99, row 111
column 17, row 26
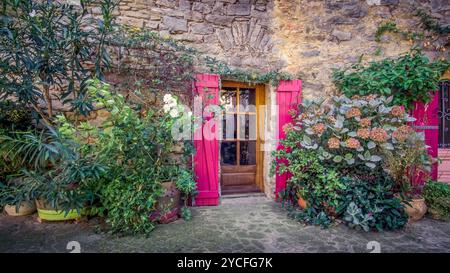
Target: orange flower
column 405, row 129
column 370, row 97
column 363, row 133
column 288, row 127
column 365, row 122
column 353, row 143
column 331, row 119
column 379, row 135
column 292, row 112
column 397, row 111
column 303, row 116
column 319, row 128
column 353, row 112
column 402, row 133
column 333, row 143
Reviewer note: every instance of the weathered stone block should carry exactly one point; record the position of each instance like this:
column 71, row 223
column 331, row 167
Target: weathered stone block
column 184, row 5
column 193, row 16
column 175, row 24
column 166, row 3
column 341, row 35
column 311, row 53
column 219, row 19
column 201, row 28
column 239, row 9
column 201, row 7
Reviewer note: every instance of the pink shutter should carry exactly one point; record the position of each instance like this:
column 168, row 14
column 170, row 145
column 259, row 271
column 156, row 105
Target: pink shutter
column 427, row 121
column 206, row 159
column 288, row 97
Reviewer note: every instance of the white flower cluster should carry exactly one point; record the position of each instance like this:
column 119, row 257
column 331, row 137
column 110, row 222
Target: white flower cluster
column 172, row 107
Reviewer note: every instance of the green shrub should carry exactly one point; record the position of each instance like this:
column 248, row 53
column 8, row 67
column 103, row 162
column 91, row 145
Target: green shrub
column 136, row 147
column 407, row 78
column 437, row 197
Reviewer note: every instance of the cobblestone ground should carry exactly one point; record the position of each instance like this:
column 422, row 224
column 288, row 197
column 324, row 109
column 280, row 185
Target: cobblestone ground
column 250, row 224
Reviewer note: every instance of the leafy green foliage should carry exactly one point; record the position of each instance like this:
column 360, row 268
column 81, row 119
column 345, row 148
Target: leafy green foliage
column 51, row 168
column 407, row 78
column 437, row 197
column 47, row 50
column 14, row 116
column 371, row 205
column 221, row 68
column 430, row 24
column 392, row 27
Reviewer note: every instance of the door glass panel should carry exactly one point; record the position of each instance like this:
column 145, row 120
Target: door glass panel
column 229, row 126
column 228, row 152
column 247, row 127
column 247, row 100
column 228, row 98
column 248, row 152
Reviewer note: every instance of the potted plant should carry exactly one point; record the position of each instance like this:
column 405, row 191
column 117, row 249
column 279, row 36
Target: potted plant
column 186, row 184
column 15, row 202
column 300, row 201
column 409, row 169
column 168, row 204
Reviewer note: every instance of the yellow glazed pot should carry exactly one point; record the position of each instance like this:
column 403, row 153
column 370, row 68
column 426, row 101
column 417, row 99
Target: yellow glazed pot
column 25, row 208
column 47, row 213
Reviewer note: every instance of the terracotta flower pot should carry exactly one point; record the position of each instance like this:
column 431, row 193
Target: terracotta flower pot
column 302, row 202
column 416, row 209
column 25, row 208
column 168, row 204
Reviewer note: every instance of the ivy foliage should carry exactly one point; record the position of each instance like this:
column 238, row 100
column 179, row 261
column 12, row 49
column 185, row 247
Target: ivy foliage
column 172, row 61
column 408, row 78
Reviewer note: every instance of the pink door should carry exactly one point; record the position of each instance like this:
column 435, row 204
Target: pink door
column 427, row 121
column 206, row 143
column 288, row 97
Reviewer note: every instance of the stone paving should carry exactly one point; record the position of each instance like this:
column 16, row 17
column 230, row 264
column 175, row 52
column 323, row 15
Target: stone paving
column 250, row 224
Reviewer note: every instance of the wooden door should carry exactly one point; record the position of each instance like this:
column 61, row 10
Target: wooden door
column 240, row 153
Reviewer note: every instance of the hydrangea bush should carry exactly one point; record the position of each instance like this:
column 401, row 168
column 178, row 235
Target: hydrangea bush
column 352, row 132
column 349, row 139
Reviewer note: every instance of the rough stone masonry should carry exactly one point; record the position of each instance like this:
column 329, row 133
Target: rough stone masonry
column 306, row 38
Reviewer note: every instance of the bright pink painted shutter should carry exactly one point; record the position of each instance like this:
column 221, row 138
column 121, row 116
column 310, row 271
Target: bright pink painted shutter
column 427, row 121
column 206, row 159
column 288, row 97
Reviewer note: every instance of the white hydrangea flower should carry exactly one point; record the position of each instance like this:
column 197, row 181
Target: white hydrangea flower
column 174, row 113
column 166, row 108
column 167, row 98
column 32, row 13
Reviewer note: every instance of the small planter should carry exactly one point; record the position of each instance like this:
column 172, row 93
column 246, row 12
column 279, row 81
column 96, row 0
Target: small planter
column 301, row 202
column 25, row 208
column 416, row 209
column 48, row 213
column 168, row 205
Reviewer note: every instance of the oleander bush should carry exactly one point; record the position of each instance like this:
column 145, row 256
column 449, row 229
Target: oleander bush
column 337, row 152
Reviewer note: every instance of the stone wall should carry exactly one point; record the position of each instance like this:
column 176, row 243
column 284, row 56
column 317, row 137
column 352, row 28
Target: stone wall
column 306, row 38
